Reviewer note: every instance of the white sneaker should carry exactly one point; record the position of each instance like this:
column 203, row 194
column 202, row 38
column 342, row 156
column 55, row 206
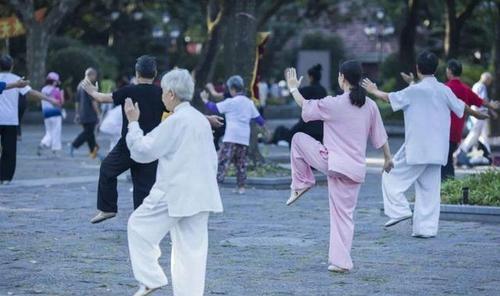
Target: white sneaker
column 101, row 216
column 335, row 268
column 295, row 195
column 143, row 291
column 422, row 235
column 395, row 221
column 5, row 182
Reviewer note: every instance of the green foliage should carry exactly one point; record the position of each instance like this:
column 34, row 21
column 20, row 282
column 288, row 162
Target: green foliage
column 70, row 58
column 71, row 63
column 262, row 170
column 484, row 189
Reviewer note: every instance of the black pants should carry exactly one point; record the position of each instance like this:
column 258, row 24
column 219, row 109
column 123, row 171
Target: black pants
column 448, row 171
column 87, row 135
column 23, row 104
column 117, row 162
column 8, row 135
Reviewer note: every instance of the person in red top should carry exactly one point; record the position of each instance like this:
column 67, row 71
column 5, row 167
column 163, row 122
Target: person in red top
column 464, row 93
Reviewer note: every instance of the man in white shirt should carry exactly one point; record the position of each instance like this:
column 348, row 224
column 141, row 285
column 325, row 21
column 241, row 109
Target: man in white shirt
column 479, row 130
column 9, row 118
column 184, row 193
column 426, row 106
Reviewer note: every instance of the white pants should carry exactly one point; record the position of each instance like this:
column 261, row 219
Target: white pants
column 427, row 180
column 53, row 129
column 147, row 226
column 478, row 132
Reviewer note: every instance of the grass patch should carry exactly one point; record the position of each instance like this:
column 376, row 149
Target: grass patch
column 262, row 170
column 484, row 189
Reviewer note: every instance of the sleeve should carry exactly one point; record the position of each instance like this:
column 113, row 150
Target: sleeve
column 224, row 106
column 150, row 147
column 456, row 105
column 400, row 100
column 212, row 107
column 378, row 135
column 474, row 99
column 259, row 120
column 2, row 86
column 25, row 90
column 316, row 109
column 254, row 112
column 119, row 96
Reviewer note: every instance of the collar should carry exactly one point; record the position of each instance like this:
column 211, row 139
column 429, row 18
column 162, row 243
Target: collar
column 181, row 106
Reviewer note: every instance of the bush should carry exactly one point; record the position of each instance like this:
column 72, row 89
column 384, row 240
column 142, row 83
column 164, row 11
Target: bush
column 484, row 189
column 71, row 63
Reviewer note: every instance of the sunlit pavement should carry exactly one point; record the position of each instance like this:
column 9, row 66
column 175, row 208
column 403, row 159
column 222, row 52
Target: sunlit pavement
column 258, row 246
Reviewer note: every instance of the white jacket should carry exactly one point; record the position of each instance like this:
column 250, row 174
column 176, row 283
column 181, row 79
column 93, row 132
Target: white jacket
column 186, row 178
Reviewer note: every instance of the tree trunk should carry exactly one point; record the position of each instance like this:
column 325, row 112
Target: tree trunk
column 453, row 26
column 407, row 41
column 215, row 20
column 37, row 45
column 239, row 54
column 495, row 123
column 451, row 42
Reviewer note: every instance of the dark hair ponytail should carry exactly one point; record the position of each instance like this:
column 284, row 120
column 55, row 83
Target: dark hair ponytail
column 353, row 73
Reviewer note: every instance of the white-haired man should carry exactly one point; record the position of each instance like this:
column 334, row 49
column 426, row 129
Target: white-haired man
column 479, row 131
column 184, row 193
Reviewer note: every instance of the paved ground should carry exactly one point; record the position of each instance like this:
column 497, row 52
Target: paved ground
column 257, row 247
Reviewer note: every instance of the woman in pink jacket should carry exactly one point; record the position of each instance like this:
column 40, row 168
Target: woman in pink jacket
column 349, row 120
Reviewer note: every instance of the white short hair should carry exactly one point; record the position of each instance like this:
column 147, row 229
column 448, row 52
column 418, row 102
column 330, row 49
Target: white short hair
column 180, row 82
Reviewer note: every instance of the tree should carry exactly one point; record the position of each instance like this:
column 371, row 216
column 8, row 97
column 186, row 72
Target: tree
column 38, row 33
column 215, row 18
column 454, row 23
column 407, row 38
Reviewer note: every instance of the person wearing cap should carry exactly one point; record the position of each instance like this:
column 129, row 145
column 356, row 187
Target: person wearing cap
column 52, row 115
column 9, row 116
column 239, row 111
column 148, row 97
column 87, row 115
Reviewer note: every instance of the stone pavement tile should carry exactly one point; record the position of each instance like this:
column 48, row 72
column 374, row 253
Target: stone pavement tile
column 258, row 246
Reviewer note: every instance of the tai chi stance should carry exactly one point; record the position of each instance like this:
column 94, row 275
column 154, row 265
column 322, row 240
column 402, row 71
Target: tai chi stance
column 426, row 106
column 52, row 114
column 184, row 193
column 240, row 111
column 87, row 115
column 349, row 120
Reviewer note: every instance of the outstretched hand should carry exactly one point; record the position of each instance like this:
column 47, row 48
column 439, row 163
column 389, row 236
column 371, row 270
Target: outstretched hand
column 22, row 82
column 204, row 95
column 215, row 121
column 408, row 78
column 370, row 86
column 291, row 78
column 131, row 111
column 88, row 86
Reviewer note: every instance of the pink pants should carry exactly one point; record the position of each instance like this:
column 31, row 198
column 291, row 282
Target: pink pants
column 306, row 152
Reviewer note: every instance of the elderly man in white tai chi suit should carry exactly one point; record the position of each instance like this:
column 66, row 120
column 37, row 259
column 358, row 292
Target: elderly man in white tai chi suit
column 185, row 191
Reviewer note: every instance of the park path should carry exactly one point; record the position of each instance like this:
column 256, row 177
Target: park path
column 258, row 246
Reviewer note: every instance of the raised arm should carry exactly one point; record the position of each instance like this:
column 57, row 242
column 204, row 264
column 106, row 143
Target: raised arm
column 18, row 84
column 373, row 89
column 34, row 94
column 479, row 115
column 150, row 147
column 98, row 96
column 293, row 85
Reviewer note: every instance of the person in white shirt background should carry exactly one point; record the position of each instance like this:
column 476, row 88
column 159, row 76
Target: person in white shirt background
column 184, row 193
column 479, row 130
column 9, row 117
column 240, row 111
column 52, row 114
column 426, row 106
